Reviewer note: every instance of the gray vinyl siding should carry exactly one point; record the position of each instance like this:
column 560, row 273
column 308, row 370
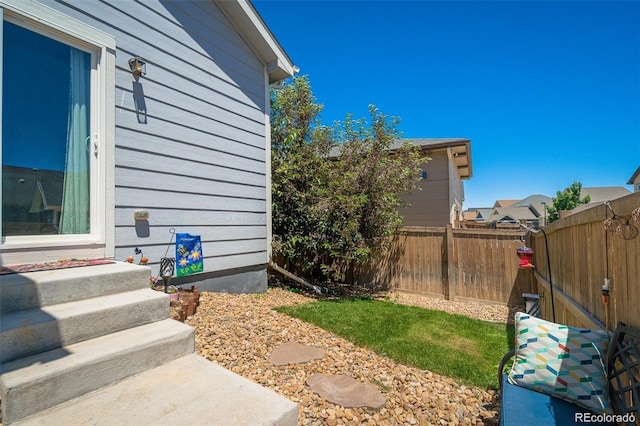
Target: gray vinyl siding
column 190, row 135
column 430, row 206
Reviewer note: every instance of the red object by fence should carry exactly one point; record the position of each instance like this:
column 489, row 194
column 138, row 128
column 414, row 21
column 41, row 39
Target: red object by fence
column 525, row 254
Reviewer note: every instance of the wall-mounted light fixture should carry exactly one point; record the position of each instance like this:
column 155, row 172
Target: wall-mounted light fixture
column 138, row 66
column 141, row 214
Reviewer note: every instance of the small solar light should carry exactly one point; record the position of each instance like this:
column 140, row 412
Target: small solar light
column 167, row 268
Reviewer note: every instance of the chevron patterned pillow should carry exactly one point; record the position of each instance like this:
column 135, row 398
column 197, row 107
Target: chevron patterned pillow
column 562, row 361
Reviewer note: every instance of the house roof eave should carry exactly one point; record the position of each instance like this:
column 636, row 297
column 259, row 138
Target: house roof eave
column 460, row 150
column 634, row 176
column 255, row 31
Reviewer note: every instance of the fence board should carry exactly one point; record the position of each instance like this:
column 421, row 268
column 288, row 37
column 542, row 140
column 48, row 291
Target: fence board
column 582, row 255
column 458, row 264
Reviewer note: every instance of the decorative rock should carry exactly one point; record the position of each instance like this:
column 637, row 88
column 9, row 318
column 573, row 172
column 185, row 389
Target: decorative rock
column 225, row 334
column 345, row 391
column 294, row 353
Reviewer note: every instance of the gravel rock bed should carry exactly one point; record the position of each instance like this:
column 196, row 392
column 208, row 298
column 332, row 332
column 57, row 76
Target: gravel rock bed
column 483, row 311
column 239, row 332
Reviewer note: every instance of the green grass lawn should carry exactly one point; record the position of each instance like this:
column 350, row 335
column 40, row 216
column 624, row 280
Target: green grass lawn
column 463, row 348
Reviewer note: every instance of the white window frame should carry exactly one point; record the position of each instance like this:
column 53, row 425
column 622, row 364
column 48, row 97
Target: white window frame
column 44, row 20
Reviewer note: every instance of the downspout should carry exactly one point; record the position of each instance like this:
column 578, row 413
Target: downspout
column 267, row 138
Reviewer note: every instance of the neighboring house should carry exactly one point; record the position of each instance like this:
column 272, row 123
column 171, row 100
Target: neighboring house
column 475, row 217
column 504, row 203
column 635, row 180
column 484, row 213
column 529, row 211
column 532, row 211
column 512, row 217
column 599, row 195
column 154, row 107
column 439, row 200
column 440, row 194
column 537, row 204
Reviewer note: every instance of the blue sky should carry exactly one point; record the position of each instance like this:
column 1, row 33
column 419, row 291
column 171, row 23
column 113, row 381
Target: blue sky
column 547, row 91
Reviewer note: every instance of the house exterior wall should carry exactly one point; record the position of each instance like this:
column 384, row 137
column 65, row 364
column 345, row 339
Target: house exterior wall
column 430, row 206
column 191, row 137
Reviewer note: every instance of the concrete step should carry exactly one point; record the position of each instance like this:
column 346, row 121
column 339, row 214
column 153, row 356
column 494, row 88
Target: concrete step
column 187, row 391
column 28, row 332
column 36, row 289
column 32, row 384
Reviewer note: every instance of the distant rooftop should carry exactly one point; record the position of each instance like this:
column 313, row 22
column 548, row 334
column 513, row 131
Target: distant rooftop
column 604, row 193
column 430, row 143
column 533, row 200
column 601, row 194
column 504, row 203
column 516, row 213
column 534, row 205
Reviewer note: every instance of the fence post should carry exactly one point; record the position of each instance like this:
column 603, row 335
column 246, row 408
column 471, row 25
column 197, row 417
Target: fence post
column 448, row 273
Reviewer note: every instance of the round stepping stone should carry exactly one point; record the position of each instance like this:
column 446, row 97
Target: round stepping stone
column 294, row 353
column 346, row 391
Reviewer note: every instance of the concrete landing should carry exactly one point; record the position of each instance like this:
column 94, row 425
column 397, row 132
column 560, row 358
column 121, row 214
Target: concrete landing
column 187, row 391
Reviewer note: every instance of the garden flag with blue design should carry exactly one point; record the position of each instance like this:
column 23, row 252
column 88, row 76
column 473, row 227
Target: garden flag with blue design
column 188, row 254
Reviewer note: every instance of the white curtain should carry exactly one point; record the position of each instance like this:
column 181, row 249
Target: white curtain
column 74, row 218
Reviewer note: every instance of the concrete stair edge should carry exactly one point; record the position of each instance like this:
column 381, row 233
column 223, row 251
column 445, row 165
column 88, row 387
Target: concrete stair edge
column 148, row 372
column 44, row 288
column 32, row 384
column 28, row 332
column 188, row 390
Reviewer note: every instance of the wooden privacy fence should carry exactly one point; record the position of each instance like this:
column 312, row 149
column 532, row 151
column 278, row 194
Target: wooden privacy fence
column 456, row 264
column 582, row 254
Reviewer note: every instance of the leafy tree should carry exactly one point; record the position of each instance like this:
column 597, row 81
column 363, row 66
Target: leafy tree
column 335, row 189
column 567, row 199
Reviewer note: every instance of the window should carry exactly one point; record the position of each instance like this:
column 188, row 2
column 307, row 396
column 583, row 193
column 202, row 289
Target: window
column 52, row 123
column 46, row 142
